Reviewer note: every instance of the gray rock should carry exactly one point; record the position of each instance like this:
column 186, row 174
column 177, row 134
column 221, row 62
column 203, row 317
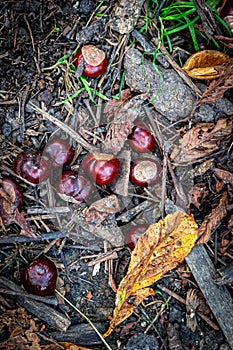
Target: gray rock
column 169, row 94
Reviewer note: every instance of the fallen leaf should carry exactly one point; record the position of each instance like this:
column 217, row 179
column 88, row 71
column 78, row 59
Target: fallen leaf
column 99, row 210
column 192, row 302
column 197, row 194
column 161, row 248
column 224, row 175
column 122, row 113
column 202, row 140
column 9, row 212
column 219, row 86
column 202, row 64
column 213, row 219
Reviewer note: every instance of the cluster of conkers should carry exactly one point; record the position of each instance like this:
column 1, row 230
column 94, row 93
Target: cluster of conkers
column 35, row 166
column 144, row 171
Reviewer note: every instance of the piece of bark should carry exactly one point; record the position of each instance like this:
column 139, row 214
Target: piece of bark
column 217, row 297
column 82, row 334
column 44, row 312
column 25, row 239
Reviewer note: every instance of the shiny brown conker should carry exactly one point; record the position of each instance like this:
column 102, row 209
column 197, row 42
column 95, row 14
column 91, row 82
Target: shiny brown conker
column 32, row 166
column 40, row 276
column 73, row 185
column 133, row 235
column 145, row 172
column 59, row 152
column 141, row 139
column 93, row 59
column 102, row 168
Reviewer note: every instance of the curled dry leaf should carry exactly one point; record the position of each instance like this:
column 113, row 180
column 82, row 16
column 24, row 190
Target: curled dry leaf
column 197, row 194
column 161, row 248
column 202, row 64
column 192, row 302
column 213, row 219
column 224, row 175
column 99, row 210
column 9, row 212
column 122, row 114
column 202, row 140
column 219, row 86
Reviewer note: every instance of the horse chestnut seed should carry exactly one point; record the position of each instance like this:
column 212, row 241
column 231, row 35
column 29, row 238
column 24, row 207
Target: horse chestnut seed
column 93, row 59
column 227, row 15
column 59, row 152
column 31, row 166
column 133, row 235
column 40, row 276
column 141, row 140
column 145, row 172
column 101, row 167
column 10, row 186
column 73, row 185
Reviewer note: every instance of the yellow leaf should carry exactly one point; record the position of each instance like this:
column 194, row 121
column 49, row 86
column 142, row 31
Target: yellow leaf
column 161, row 248
column 201, row 65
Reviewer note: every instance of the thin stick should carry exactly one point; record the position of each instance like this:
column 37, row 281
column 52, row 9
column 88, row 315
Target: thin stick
column 78, row 138
column 86, row 318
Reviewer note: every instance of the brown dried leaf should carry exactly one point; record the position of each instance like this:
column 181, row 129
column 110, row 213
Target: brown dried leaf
column 202, row 140
column 122, row 113
column 219, row 86
column 9, row 212
column 99, row 210
column 224, row 175
column 213, row 219
column 192, row 302
column 197, row 194
column 202, row 64
column 157, row 251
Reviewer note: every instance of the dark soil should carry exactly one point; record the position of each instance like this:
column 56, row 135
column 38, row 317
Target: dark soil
column 34, row 35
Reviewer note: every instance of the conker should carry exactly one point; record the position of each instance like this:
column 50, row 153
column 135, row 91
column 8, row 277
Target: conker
column 32, row 166
column 40, row 276
column 102, row 168
column 8, row 184
column 227, row 15
column 93, row 59
column 73, row 185
column 59, row 152
column 133, row 235
column 141, row 140
column 145, row 172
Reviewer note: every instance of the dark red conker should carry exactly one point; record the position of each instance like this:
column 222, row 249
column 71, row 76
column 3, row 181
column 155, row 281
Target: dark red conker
column 141, row 140
column 145, row 172
column 73, row 185
column 59, row 152
column 94, row 60
column 31, row 166
column 102, row 168
column 10, row 184
column 40, row 276
column 133, row 235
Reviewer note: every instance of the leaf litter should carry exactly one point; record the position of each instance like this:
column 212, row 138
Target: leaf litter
column 161, row 248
